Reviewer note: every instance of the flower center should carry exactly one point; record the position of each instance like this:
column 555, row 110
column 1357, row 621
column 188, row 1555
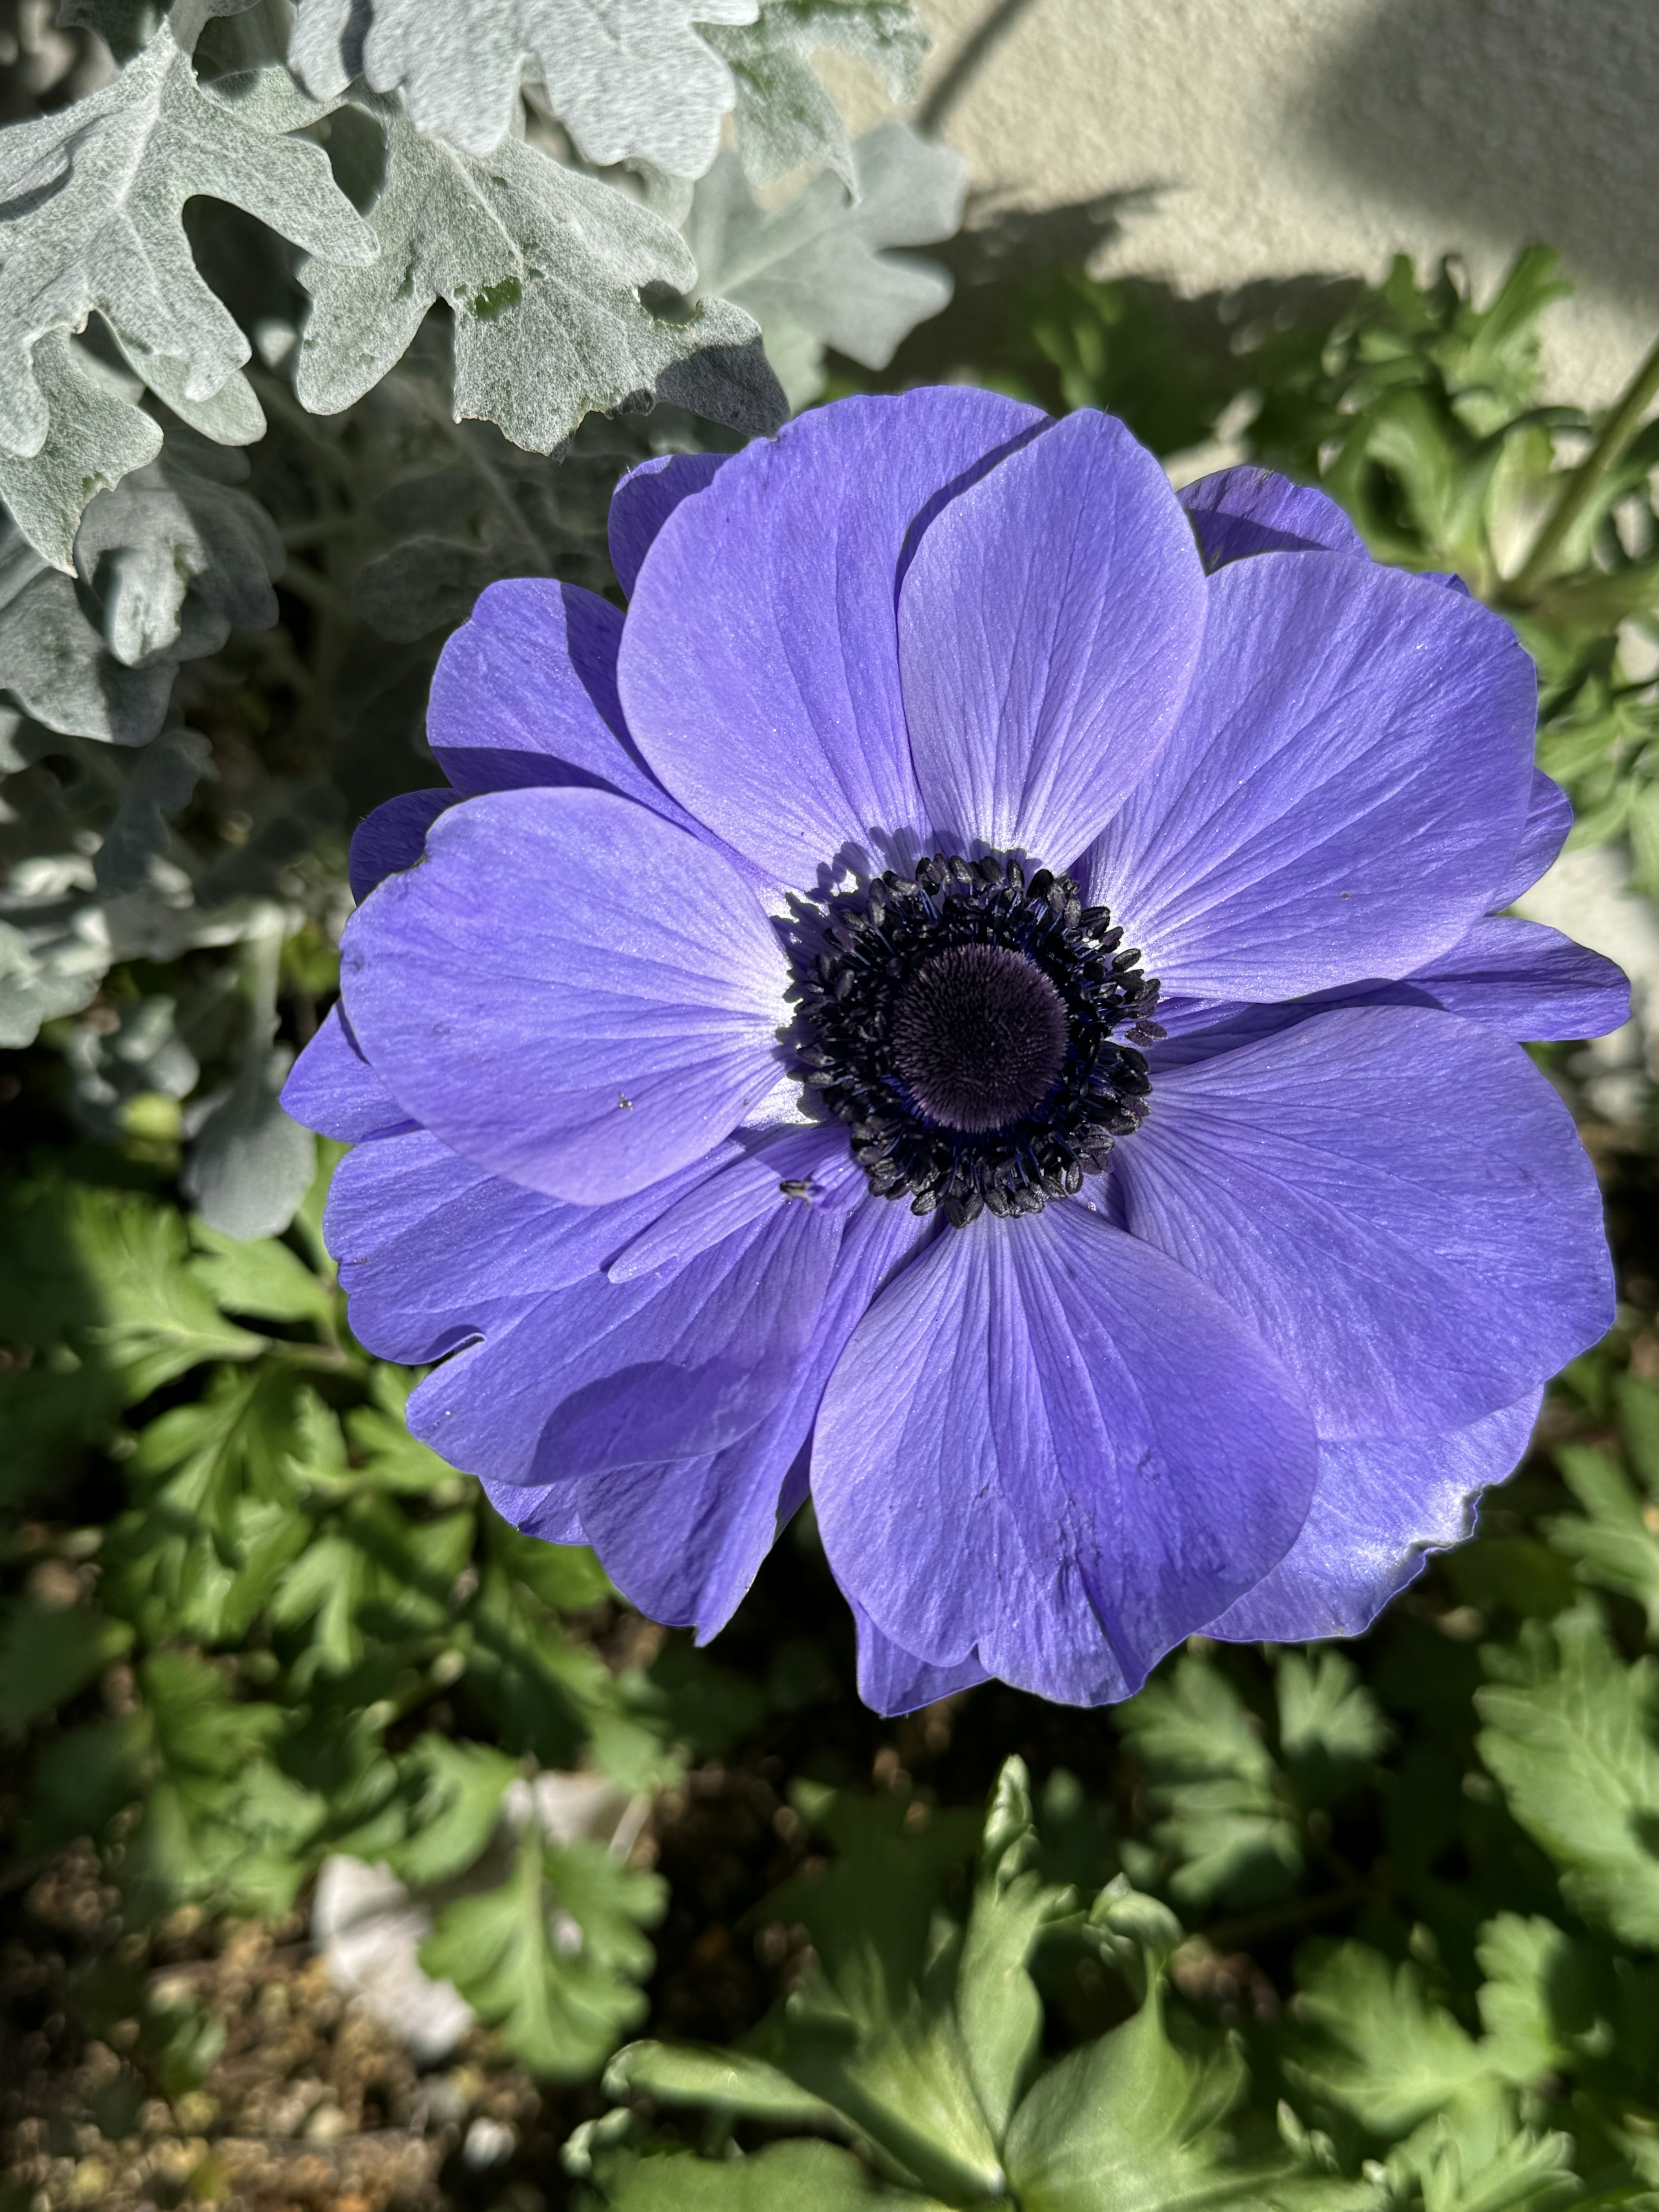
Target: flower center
column 960, row 1022
column 979, row 1035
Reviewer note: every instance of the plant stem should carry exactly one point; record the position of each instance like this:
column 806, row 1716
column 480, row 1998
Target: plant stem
column 1580, row 485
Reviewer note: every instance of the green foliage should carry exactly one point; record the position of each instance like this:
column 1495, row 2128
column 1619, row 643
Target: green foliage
column 552, row 1956
column 292, row 1585
column 1570, row 1733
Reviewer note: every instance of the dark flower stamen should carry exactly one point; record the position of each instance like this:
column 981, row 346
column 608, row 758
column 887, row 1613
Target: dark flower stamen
column 961, row 1023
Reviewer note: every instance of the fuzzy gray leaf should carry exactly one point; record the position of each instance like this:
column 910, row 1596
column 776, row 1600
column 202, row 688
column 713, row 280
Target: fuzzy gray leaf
column 816, row 273
column 629, row 79
column 785, row 117
column 97, row 434
column 250, row 1165
column 542, row 268
column 90, row 205
column 56, row 666
column 176, row 559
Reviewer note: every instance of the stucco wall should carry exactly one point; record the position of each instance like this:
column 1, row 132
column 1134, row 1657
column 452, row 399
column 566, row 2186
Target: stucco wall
column 1292, row 136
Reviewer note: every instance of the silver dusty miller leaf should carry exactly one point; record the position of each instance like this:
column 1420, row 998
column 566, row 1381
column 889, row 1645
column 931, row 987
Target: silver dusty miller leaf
column 90, row 205
column 629, row 79
column 97, row 434
column 542, row 268
column 785, row 117
column 176, row 556
column 90, row 874
column 55, row 664
column 816, row 273
column 169, row 562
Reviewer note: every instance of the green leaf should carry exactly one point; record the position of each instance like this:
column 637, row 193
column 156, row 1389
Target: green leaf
column 554, row 1956
column 997, row 2005
column 1330, row 1727
column 219, row 1521
column 458, row 1811
column 1569, row 1733
column 370, row 1576
column 815, row 272
column 259, row 1277
column 220, row 1818
column 1615, row 1545
column 1127, row 2123
column 90, row 201
column 785, row 116
column 1477, row 2157
column 83, row 1779
column 1390, row 2054
column 715, row 2079
column 95, row 435
column 1529, row 1965
column 804, row 2177
column 636, row 85
column 1226, row 1822
column 542, row 268
column 48, row 1652
column 144, row 1310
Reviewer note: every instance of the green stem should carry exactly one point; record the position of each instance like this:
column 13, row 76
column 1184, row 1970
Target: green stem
column 1581, row 486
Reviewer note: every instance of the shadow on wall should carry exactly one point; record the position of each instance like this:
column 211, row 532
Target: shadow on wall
column 1506, row 119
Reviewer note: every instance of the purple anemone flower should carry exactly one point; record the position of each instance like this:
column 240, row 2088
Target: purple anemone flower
column 985, row 997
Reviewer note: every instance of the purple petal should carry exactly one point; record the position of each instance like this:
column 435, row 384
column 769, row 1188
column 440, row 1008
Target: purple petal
column 1520, row 978
column 806, row 1167
column 393, row 837
column 1048, row 627
column 759, row 667
column 1344, row 790
column 643, row 501
column 1379, row 1509
column 685, row 1541
column 1047, row 1447
column 1397, row 1200
column 892, row 1680
column 1250, row 509
column 526, row 693
column 569, row 992
column 549, row 1512
column 598, row 1376
column 1549, row 818
column 434, row 1251
column 332, row 1089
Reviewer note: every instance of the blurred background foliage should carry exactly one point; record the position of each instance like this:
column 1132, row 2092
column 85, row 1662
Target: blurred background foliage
column 1346, row 1927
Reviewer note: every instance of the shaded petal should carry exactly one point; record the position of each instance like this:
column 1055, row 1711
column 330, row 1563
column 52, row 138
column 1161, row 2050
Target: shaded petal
column 645, row 499
column 568, row 992
column 1520, row 978
column 1398, row 1201
column 1549, row 819
column 434, row 1250
column 685, row 1541
column 1048, row 1447
column 393, row 837
column 1345, row 791
column 524, row 693
column 892, row 1680
column 1048, row 626
column 1250, row 509
column 598, row 1376
column 332, row 1089
column 1379, row 1509
column 817, row 1157
column 549, row 1512
column 759, row 668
